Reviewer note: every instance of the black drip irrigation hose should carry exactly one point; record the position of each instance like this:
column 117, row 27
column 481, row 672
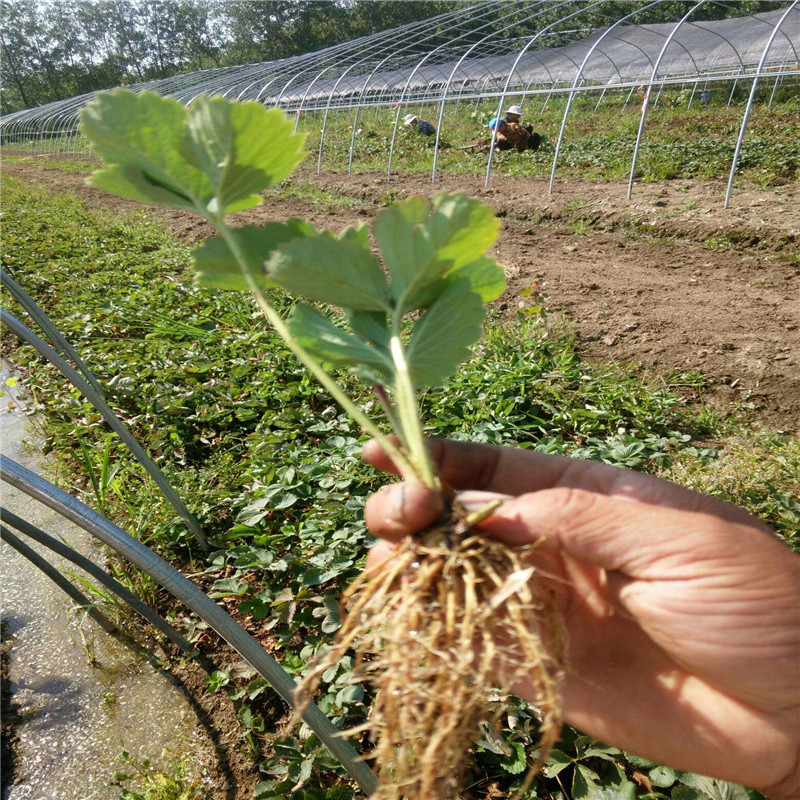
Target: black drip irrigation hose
column 194, row 598
column 45, row 566
column 72, row 375
column 88, row 566
column 48, row 326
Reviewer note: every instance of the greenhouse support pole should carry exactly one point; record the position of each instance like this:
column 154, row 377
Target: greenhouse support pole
column 578, row 77
column 399, row 105
column 694, row 90
column 547, row 99
column 774, row 89
column 45, row 566
column 658, row 96
column 305, row 95
column 460, row 61
column 733, row 88
column 50, row 330
column 100, row 575
column 630, row 94
column 327, row 111
column 750, row 99
column 514, row 68
column 113, row 421
column 399, row 109
column 596, row 106
column 393, row 54
column 650, row 87
column 193, row 597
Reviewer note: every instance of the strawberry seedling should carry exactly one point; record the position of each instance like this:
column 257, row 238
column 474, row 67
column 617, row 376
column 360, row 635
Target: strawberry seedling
column 452, row 614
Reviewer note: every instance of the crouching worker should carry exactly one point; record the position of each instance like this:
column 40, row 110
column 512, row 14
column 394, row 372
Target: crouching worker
column 512, row 136
column 514, row 117
column 508, row 136
column 420, row 126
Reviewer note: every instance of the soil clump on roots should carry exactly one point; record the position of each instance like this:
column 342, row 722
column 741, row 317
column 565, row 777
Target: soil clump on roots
column 439, row 627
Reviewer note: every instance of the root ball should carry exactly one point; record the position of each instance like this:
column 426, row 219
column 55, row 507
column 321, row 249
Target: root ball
column 451, row 617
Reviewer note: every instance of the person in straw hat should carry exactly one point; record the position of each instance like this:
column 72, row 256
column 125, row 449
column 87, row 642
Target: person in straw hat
column 523, row 136
column 421, row 126
column 513, row 114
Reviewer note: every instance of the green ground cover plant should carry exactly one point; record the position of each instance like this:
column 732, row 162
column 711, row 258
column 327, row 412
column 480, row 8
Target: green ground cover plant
column 696, row 142
column 679, row 141
column 254, row 446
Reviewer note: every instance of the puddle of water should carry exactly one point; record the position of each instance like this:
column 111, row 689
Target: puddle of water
column 75, row 716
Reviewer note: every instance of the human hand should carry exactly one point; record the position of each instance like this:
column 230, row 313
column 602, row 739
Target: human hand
column 682, row 611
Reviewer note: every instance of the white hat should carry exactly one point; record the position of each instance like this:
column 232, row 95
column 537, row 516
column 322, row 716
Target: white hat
column 514, row 110
column 409, row 119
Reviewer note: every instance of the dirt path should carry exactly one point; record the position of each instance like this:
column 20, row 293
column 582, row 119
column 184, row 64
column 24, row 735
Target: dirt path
column 670, row 279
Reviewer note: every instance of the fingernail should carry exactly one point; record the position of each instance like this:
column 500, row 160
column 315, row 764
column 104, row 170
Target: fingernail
column 395, row 502
column 475, row 501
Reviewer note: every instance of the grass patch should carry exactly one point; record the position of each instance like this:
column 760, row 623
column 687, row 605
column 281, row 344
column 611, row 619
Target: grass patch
column 598, row 144
column 313, row 194
column 79, row 166
column 679, row 141
column 272, row 468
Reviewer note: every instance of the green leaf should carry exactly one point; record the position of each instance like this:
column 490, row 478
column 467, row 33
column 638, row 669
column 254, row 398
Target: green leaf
column 141, row 138
column 265, row 791
column 336, row 271
column 228, row 586
column 459, row 251
column 606, row 793
column 614, row 778
column 443, row 336
column 425, row 248
column 556, row 762
column 517, row 761
column 257, row 607
column 217, row 266
column 350, row 694
column 715, row 789
column 371, row 326
column 485, row 275
column 584, row 782
column 327, row 342
column 638, row 761
column 212, row 158
column 243, row 148
column 686, row 793
column 462, row 228
column 662, row 776
column 358, row 234
column 405, row 247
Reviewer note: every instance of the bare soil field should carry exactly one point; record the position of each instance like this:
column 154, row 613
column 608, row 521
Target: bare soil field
column 670, row 279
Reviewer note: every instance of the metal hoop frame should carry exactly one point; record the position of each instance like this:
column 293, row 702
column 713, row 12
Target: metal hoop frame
column 473, row 55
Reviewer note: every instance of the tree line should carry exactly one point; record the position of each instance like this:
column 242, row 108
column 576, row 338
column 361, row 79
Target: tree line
column 56, row 49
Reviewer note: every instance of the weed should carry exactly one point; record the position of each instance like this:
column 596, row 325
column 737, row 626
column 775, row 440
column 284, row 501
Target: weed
column 580, row 227
column 575, row 203
column 141, row 780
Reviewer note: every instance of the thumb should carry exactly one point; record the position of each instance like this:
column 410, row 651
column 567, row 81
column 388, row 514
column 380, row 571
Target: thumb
column 616, row 533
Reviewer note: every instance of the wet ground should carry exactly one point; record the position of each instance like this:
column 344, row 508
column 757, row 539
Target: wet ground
column 80, row 695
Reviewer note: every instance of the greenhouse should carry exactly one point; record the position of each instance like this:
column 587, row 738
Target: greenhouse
column 488, row 55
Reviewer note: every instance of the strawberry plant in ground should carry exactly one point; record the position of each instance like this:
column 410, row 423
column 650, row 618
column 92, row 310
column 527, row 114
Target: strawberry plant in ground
column 244, row 436
column 678, row 142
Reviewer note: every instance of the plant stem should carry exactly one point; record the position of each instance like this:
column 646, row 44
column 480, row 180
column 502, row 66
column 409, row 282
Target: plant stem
column 409, row 412
column 405, row 467
column 390, row 411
